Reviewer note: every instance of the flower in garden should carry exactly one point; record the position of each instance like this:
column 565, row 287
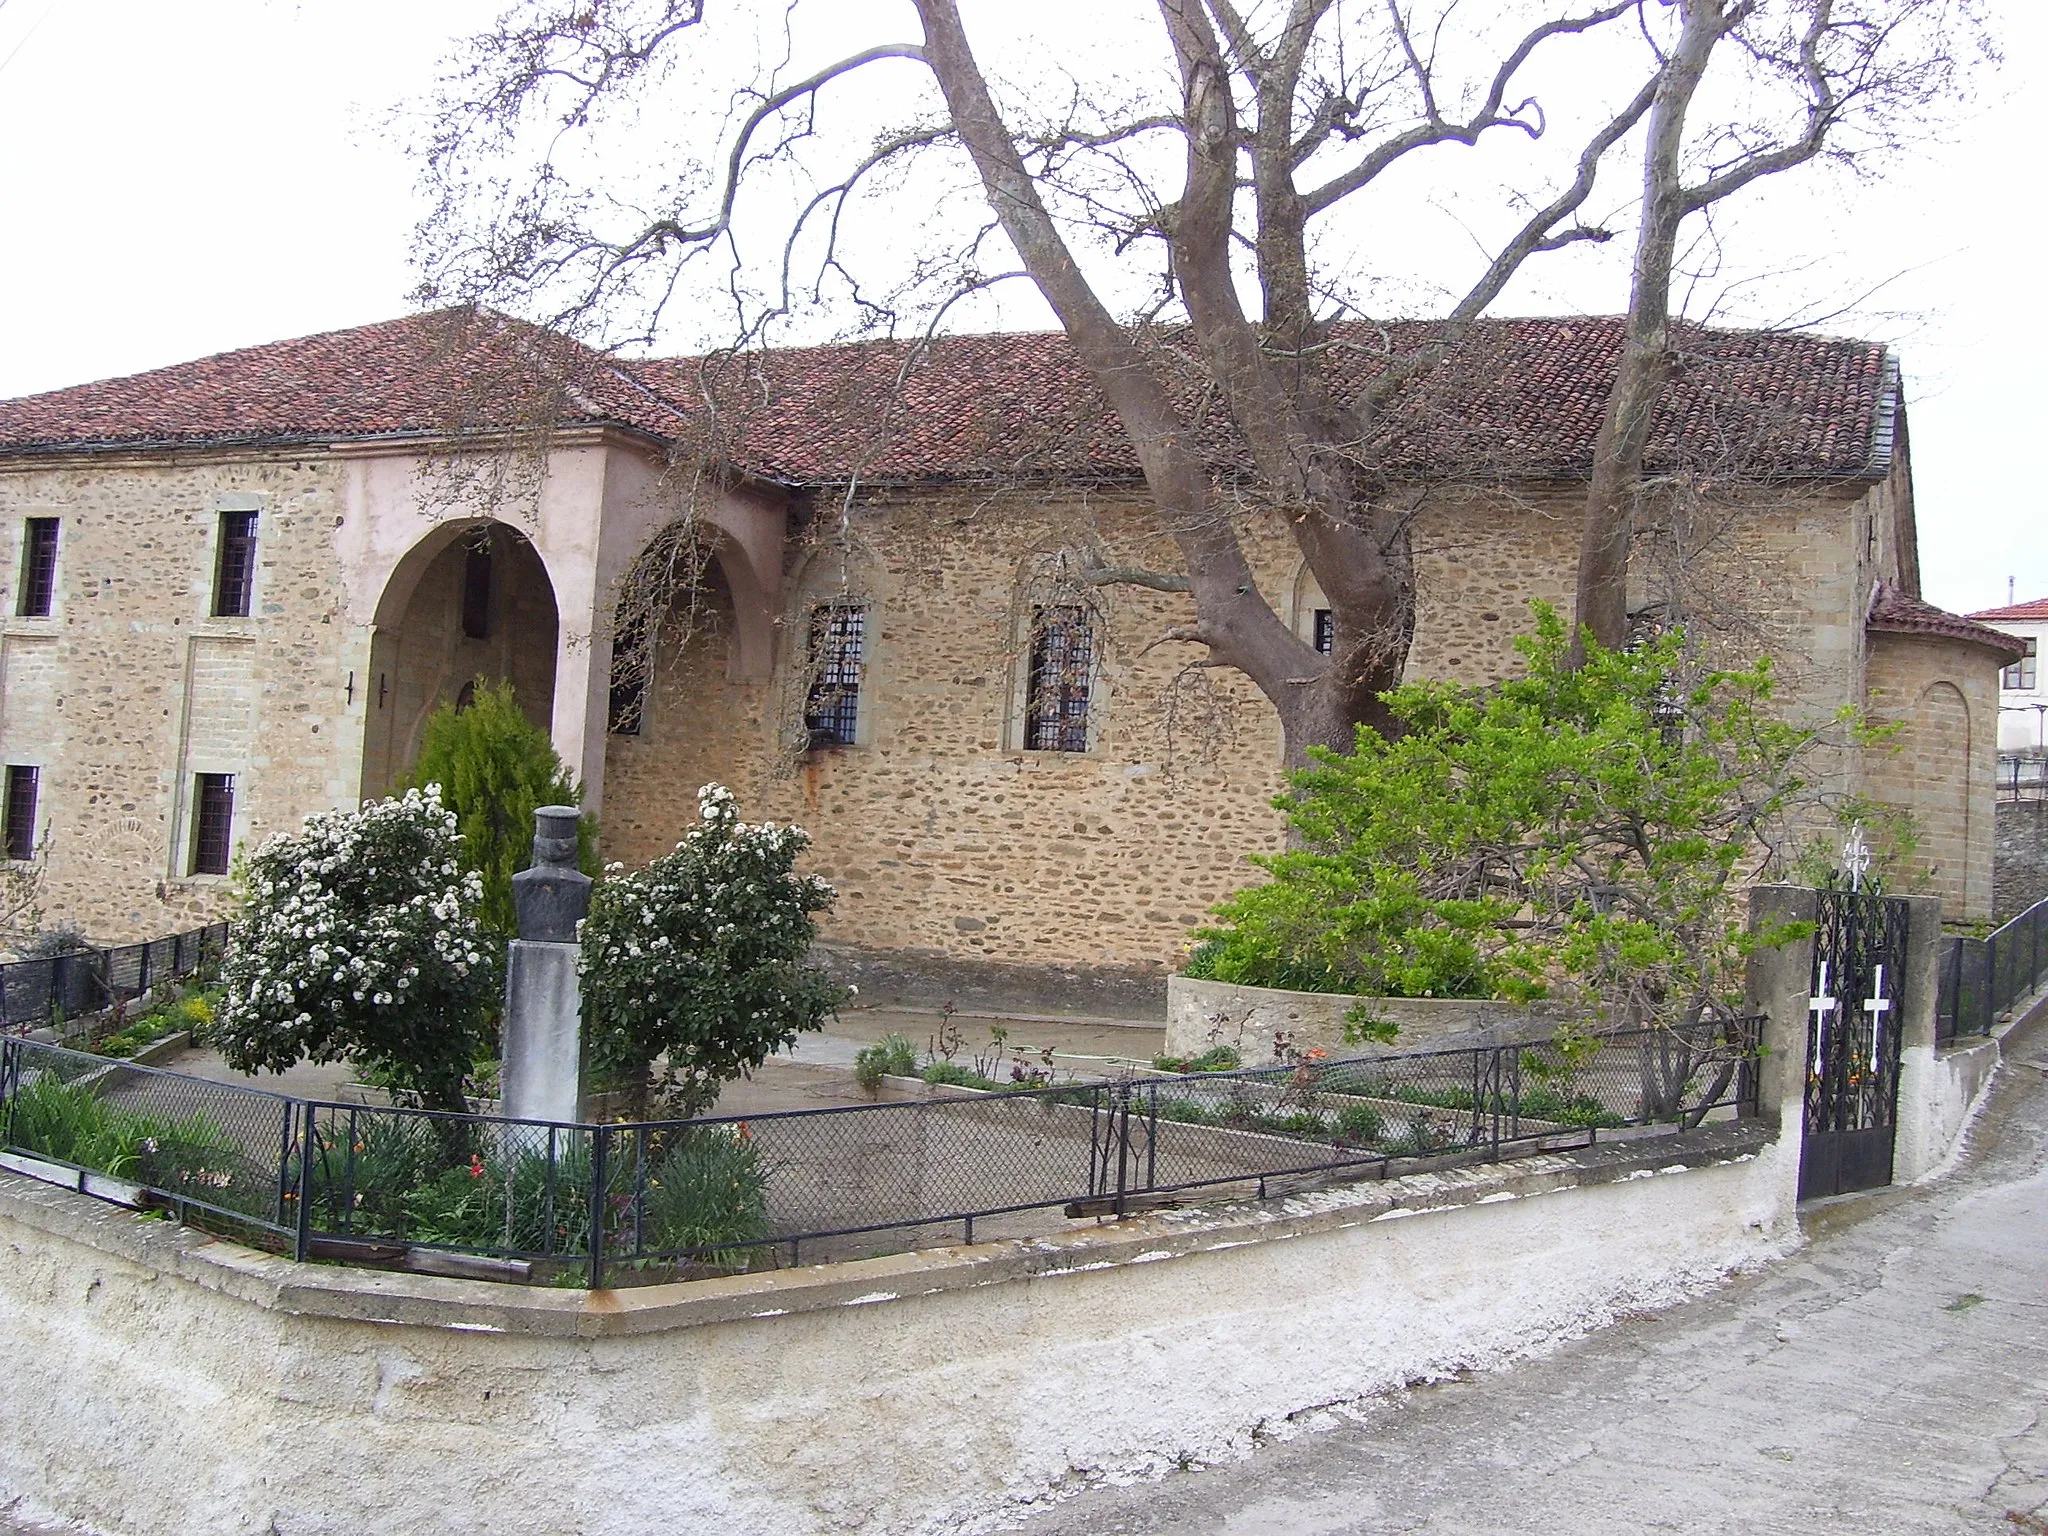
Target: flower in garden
column 476, row 1166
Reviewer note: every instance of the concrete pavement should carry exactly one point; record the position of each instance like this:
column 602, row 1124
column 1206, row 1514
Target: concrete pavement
column 1891, row 1377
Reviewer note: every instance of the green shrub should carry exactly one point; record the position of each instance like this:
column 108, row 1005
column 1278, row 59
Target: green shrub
column 1587, row 831
column 1218, row 1058
column 495, row 767
column 702, row 958
column 69, row 1123
column 709, row 1191
column 891, row 1056
column 955, row 1076
column 1359, row 1124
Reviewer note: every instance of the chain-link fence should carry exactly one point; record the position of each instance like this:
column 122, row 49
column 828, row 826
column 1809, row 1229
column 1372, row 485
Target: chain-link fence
column 1983, row 979
column 636, row 1202
column 53, row 988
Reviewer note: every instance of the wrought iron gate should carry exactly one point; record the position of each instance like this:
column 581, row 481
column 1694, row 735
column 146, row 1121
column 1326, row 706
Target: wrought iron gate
column 1853, row 1031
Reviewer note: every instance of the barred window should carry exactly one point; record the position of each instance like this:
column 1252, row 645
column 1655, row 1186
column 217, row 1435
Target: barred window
column 213, row 823
column 1062, row 672
column 21, row 811
column 38, row 589
column 632, row 662
column 2021, row 674
column 1325, row 631
column 832, row 707
column 234, row 574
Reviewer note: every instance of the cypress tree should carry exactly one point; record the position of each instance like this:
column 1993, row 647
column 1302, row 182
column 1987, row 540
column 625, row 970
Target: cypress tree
column 494, row 767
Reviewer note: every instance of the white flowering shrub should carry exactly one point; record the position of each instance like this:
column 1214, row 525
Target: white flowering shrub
column 700, row 957
column 358, row 939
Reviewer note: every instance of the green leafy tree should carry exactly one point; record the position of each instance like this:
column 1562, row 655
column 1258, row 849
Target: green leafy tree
column 495, row 767
column 358, row 940
column 1585, row 835
column 700, row 958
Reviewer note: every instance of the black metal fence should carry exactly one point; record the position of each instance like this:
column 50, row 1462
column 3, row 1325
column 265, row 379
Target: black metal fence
column 637, row 1202
column 1982, row 979
column 43, row 991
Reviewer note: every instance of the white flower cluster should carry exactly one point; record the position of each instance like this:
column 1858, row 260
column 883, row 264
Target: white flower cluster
column 361, row 911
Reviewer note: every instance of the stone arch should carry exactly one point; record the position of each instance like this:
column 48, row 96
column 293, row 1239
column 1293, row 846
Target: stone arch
column 472, row 598
column 1936, row 753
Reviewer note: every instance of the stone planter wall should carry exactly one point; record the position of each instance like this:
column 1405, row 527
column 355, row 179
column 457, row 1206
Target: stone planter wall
column 1201, row 1014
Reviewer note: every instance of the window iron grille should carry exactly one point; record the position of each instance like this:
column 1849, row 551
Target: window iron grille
column 234, row 576
column 22, row 783
column 1061, row 679
column 38, row 591
column 631, row 666
column 832, row 707
column 1325, row 631
column 213, row 824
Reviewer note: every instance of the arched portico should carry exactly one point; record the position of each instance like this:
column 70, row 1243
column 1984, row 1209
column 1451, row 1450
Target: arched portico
column 471, row 599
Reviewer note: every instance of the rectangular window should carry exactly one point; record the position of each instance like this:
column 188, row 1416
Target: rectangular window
column 213, row 824
column 2021, row 674
column 476, row 592
column 38, row 589
column 21, row 811
column 234, row 575
column 832, row 708
column 1062, row 673
column 1325, row 631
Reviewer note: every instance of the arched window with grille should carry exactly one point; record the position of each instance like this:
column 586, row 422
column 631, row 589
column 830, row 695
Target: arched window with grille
column 1061, row 680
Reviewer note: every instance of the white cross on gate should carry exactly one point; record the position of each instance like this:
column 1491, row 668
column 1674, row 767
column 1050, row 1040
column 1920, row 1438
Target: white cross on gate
column 1820, row 1005
column 1877, row 1006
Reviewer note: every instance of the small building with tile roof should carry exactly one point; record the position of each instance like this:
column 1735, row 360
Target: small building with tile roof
column 2022, row 689
column 235, row 589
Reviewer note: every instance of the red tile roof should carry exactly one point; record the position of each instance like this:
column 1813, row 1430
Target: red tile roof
column 2037, row 609
column 1894, row 613
column 1517, row 399
column 421, row 374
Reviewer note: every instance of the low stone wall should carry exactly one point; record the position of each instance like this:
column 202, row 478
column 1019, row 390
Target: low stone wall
column 162, row 1383
column 1201, row 1014
column 931, row 979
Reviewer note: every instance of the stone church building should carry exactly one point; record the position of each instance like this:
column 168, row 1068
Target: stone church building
column 232, row 591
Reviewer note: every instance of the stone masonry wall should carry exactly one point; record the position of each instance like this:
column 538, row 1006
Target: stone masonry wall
column 2021, row 877
column 1943, row 696
column 130, row 688
column 945, row 838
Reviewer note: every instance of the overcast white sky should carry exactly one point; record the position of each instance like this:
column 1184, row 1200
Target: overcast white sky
column 177, row 180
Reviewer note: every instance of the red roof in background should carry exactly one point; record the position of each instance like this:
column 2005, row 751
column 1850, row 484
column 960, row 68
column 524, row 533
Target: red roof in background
column 2037, row 609
column 1515, row 399
column 1892, row 612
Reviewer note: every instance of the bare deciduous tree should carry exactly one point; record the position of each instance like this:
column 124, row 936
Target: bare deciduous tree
column 1169, row 216
column 1828, row 78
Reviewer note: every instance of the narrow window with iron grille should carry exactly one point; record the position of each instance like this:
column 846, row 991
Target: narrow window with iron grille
column 38, row 588
column 1061, row 679
column 1325, row 631
column 21, row 811
column 627, row 711
column 832, row 707
column 213, row 823
column 476, row 589
column 2019, row 677
column 234, row 575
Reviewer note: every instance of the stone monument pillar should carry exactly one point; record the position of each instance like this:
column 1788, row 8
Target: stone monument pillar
column 542, row 1059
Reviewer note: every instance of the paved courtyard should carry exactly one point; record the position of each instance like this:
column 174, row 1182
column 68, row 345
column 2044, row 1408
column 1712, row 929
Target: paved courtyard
column 1889, row 1378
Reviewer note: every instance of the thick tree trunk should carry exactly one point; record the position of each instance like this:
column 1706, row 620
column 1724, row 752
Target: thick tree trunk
column 1601, row 598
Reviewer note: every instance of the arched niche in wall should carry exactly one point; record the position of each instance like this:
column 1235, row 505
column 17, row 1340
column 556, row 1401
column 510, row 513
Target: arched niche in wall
column 1936, row 751
column 471, row 599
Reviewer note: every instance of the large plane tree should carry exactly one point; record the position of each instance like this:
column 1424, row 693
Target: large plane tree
column 1193, row 201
